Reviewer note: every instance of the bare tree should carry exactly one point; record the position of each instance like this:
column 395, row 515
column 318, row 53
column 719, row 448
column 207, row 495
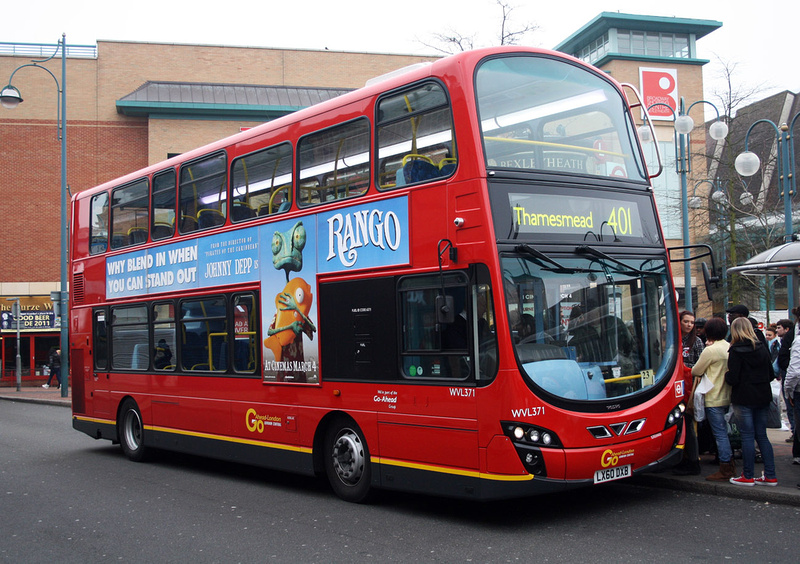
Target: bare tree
column 735, row 93
column 451, row 41
column 739, row 217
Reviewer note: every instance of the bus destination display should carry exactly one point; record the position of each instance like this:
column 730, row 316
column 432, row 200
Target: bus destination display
column 547, row 214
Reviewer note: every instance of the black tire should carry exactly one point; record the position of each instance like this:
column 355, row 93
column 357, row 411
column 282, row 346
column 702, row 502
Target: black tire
column 347, row 464
column 131, row 431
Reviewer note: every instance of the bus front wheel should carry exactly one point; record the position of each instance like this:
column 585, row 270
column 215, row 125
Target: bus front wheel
column 347, row 462
column 131, row 431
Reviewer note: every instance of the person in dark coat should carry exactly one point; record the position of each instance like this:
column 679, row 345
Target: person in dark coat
column 749, row 375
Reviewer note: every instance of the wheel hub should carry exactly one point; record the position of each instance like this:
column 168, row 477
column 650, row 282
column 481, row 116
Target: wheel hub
column 348, row 457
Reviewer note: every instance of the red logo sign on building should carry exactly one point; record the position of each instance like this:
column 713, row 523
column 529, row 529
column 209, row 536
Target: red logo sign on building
column 659, row 86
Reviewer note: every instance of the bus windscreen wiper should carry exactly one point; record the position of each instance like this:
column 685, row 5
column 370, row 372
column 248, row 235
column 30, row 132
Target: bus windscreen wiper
column 587, row 250
column 528, row 250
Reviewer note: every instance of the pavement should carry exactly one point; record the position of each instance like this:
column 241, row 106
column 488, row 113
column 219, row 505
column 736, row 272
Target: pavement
column 787, row 492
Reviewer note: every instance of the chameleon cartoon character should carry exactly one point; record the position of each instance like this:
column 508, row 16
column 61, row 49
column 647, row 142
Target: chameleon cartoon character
column 287, row 249
column 291, row 319
column 292, row 304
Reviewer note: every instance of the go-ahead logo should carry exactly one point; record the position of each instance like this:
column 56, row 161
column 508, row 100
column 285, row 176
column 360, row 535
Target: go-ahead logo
column 256, row 423
column 611, row 458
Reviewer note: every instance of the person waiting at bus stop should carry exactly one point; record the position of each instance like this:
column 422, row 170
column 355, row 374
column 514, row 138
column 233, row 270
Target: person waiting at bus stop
column 55, row 368
column 713, row 363
column 749, row 375
column 692, row 348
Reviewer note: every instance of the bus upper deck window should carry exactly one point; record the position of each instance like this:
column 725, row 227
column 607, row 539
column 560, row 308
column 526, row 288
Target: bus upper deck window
column 261, row 183
column 130, row 213
column 415, row 137
column 163, row 221
column 99, row 224
column 334, row 163
column 203, row 193
column 539, row 113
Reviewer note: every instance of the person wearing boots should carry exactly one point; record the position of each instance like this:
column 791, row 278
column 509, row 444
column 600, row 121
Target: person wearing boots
column 713, row 362
column 749, row 374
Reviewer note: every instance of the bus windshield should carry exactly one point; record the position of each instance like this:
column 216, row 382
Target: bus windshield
column 589, row 328
column 541, row 114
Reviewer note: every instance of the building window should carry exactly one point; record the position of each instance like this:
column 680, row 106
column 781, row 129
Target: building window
column 595, row 50
column 653, row 43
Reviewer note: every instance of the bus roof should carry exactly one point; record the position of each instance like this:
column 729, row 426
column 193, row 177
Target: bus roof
column 445, row 66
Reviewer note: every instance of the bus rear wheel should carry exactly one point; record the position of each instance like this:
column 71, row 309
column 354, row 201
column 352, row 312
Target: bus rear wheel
column 347, row 462
column 131, row 431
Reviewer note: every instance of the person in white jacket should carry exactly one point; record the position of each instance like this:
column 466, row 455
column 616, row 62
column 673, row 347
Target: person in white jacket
column 791, row 383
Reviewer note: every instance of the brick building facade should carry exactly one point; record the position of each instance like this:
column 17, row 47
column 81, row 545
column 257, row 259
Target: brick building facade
column 106, row 139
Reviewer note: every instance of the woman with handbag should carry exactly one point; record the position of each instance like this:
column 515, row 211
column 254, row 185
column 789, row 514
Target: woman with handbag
column 749, row 375
column 713, row 362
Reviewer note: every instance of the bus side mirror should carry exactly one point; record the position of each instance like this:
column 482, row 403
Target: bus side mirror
column 445, row 309
column 709, row 278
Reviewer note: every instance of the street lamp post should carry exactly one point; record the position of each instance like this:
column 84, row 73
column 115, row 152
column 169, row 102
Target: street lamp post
column 683, row 125
column 15, row 312
column 10, row 98
column 748, row 163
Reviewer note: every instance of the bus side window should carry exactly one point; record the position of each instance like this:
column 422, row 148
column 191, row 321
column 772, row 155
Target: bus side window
column 164, row 352
column 163, row 219
column 203, row 193
column 130, row 212
column 204, row 334
column 129, row 338
column 415, row 137
column 430, row 349
column 334, row 163
column 100, row 344
column 261, row 183
column 99, row 224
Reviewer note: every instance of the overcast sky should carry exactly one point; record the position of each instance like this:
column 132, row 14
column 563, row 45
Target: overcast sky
column 760, row 38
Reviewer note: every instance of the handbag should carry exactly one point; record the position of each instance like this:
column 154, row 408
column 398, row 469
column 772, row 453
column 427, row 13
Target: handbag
column 699, row 399
column 774, row 413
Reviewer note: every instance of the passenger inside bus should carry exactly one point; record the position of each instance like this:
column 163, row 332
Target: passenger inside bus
column 162, row 355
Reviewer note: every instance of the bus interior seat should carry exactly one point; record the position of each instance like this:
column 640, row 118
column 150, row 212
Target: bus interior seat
column 161, row 231
column 447, row 166
column 241, row 352
column 99, row 245
column 416, row 168
column 118, row 240
column 137, row 235
column 188, row 224
column 141, row 360
column 284, row 206
column 220, row 357
column 209, row 217
column 242, row 211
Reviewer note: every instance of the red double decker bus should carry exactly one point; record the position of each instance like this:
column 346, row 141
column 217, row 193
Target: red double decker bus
column 452, row 280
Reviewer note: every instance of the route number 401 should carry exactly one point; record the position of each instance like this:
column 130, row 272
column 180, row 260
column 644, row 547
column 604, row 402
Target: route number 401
column 620, row 221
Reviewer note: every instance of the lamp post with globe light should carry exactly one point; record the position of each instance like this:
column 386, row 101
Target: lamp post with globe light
column 725, row 209
column 683, row 125
column 10, row 98
column 748, row 163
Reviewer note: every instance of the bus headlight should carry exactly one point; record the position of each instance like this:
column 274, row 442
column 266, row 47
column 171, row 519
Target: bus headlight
column 530, row 441
column 525, row 433
column 675, row 415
